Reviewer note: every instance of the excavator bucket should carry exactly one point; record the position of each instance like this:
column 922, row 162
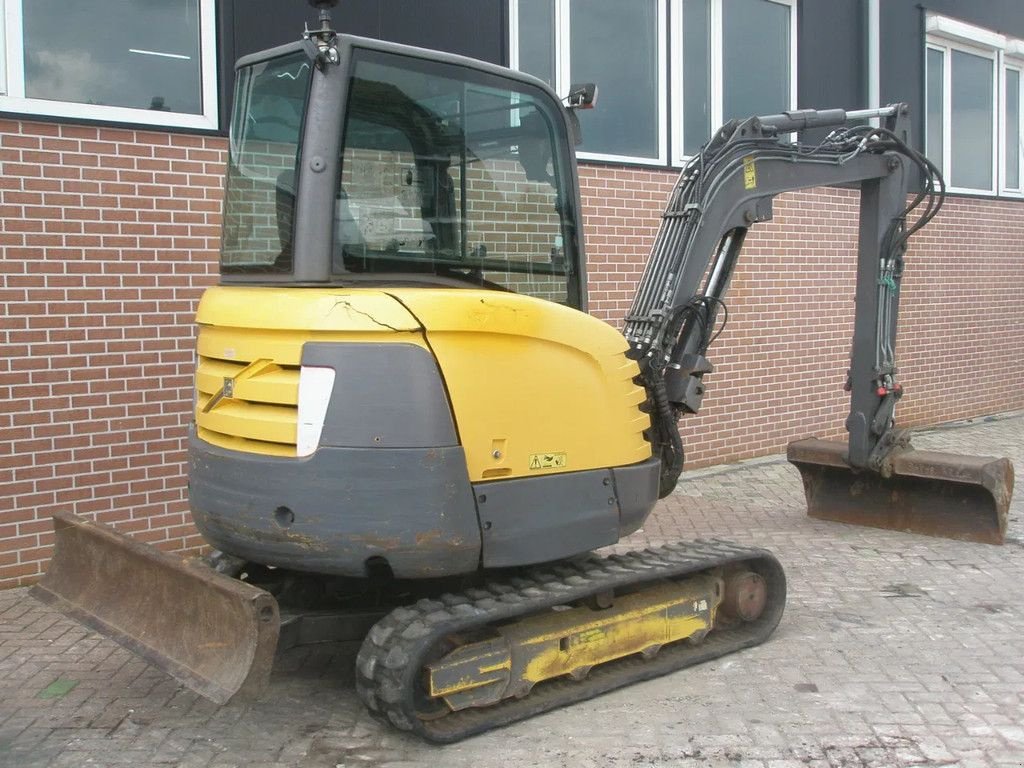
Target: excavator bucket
column 214, row 634
column 935, row 494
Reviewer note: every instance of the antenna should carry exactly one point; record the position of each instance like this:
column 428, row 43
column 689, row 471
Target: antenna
column 324, row 37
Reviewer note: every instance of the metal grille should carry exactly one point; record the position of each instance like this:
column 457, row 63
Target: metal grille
column 247, row 405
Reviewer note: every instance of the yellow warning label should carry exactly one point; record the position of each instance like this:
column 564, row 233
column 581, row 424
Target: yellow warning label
column 547, row 460
column 749, row 173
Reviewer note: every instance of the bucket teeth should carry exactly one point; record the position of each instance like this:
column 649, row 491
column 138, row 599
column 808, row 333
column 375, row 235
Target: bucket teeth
column 935, row 494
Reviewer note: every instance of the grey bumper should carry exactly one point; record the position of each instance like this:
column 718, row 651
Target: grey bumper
column 334, row 510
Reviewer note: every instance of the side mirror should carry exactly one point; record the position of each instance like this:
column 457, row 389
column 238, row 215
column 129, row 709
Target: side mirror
column 581, row 96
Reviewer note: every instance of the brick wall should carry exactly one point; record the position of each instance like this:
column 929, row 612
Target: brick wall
column 109, row 237
column 781, row 363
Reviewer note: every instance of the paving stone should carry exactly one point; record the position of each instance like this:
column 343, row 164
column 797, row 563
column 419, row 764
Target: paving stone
column 895, row 650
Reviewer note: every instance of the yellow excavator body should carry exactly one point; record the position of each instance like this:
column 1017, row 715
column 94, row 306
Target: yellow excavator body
column 535, row 387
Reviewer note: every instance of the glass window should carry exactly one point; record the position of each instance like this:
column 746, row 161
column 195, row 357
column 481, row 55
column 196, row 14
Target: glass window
column 696, row 74
column 564, row 42
column 626, row 119
column 265, row 134
column 730, row 59
column 936, row 61
column 146, row 59
column 537, row 39
column 448, row 175
column 1013, row 144
column 145, row 62
column 971, row 120
column 755, row 58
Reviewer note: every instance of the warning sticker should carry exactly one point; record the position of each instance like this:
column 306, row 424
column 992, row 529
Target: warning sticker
column 749, row 173
column 547, row 460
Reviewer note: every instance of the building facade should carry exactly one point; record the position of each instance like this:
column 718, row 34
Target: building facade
column 112, row 150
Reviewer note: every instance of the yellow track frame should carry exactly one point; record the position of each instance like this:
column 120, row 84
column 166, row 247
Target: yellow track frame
column 571, row 640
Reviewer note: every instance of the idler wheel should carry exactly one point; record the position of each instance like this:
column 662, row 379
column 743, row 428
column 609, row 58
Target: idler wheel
column 746, row 595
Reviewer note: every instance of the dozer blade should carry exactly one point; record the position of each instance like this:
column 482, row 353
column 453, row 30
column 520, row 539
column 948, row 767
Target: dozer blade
column 214, row 634
column 935, row 494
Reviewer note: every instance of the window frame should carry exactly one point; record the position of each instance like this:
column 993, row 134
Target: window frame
column 943, row 160
column 946, row 35
column 563, row 75
column 3, row 47
column 1016, row 64
column 12, row 80
column 716, row 52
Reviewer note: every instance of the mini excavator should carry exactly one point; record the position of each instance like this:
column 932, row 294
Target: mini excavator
column 409, row 432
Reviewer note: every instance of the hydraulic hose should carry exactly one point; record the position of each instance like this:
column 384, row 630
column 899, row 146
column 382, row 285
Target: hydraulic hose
column 670, row 443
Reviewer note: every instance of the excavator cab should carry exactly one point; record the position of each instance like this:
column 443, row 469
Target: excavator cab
column 445, row 173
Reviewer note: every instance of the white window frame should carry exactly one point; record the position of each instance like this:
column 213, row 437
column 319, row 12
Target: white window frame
column 3, row 48
column 947, row 35
column 563, row 77
column 1017, row 65
column 943, row 162
column 716, row 51
column 12, row 79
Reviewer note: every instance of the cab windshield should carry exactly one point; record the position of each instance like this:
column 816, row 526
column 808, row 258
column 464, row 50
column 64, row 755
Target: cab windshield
column 448, row 176
column 451, row 173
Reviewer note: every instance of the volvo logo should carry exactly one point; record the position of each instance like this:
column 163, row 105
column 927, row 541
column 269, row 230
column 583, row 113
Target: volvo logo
column 228, row 390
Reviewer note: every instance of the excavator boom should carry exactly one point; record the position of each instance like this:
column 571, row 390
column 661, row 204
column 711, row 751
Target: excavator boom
column 876, row 478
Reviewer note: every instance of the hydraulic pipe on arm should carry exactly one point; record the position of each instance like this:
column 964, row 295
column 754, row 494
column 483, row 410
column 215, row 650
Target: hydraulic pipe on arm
column 723, row 191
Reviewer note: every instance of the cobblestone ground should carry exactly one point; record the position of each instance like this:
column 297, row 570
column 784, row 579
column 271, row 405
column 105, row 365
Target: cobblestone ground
column 895, row 650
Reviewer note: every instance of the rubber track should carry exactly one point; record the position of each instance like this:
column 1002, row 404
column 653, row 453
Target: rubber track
column 391, row 658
